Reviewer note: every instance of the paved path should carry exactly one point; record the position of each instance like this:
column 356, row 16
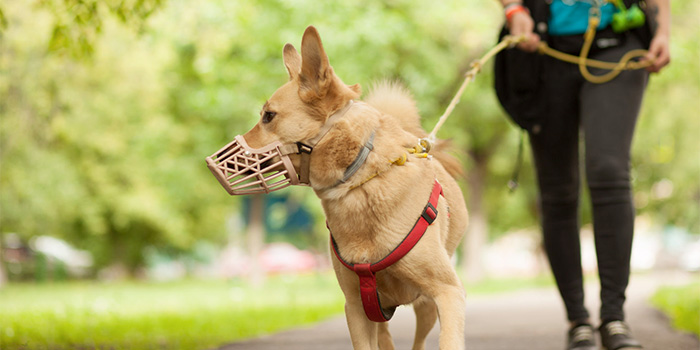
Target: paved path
column 523, row 320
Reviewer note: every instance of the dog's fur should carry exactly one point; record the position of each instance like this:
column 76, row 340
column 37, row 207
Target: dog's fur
column 370, row 220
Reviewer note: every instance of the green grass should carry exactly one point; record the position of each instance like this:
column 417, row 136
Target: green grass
column 190, row 314
column 174, row 315
column 682, row 305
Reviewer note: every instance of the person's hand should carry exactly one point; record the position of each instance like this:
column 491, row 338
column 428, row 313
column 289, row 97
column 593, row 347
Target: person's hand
column 522, row 24
column 659, row 52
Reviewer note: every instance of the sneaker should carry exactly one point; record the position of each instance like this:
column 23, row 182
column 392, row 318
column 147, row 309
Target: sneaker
column 581, row 337
column 615, row 335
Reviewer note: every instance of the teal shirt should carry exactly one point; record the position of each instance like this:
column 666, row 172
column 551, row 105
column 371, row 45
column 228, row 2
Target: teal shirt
column 570, row 17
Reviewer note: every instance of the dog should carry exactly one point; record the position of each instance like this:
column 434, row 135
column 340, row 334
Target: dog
column 361, row 159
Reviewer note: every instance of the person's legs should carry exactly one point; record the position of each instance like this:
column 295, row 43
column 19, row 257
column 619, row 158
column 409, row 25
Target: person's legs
column 608, row 117
column 555, row 150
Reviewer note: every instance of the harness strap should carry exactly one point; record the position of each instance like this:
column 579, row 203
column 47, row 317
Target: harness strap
column 366, row 272
column 370, row 295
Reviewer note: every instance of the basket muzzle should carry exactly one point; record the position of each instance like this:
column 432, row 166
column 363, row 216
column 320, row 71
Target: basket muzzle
column 245, row 170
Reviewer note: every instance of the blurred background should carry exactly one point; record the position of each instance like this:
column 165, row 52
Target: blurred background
column 108, row 109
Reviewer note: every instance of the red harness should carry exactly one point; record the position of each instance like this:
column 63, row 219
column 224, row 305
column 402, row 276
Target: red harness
column 366, row 272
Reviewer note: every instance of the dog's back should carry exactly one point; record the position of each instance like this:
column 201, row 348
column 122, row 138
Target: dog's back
column 394, row 99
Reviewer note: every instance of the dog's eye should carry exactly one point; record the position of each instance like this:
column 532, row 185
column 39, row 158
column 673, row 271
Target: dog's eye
column 267, row 117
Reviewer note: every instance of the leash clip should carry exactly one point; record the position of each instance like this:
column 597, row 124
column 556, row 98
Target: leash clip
column 425, row 144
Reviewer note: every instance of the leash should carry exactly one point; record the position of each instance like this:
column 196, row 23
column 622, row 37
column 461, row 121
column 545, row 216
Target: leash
column 508, row 41
column 623, row 64
column 582, row 61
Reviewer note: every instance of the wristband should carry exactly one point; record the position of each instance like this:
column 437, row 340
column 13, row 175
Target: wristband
column 511, row 4
column 511, row 10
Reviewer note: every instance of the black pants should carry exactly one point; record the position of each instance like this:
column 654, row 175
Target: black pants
column 605, row 116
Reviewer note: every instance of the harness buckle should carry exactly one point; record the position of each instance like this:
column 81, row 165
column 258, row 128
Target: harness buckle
column 304, row 148
column 429, row 213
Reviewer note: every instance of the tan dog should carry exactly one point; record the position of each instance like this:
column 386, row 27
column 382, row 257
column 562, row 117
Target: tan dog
column 372, row 211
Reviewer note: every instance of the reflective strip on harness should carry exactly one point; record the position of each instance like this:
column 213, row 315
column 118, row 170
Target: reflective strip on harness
column 367, row 272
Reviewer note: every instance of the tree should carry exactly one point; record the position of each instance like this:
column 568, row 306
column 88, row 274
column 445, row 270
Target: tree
column 77, row 24
column 85, row 164
column 110, row 110
column 3, row 274
column 256, row 238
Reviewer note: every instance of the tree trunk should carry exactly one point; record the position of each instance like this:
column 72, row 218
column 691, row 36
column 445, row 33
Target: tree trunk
column 3, row 275
column 477, row 233
column 256, row 239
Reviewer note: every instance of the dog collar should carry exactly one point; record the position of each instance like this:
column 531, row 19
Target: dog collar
column 367, row 272
column 360, row 159
column 305, row 148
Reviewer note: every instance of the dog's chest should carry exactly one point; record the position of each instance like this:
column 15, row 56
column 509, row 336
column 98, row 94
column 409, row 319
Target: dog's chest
column 395, row 290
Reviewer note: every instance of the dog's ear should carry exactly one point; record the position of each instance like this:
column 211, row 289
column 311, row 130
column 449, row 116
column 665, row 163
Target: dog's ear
column 292, row 61
column 316, row 72
column 356, row 89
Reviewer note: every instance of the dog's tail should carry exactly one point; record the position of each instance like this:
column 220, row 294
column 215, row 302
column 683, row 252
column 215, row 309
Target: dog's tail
column 392, row 98
column 448, row 161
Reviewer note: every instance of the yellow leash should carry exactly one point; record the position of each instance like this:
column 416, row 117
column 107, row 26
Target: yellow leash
column 508, row 41
column 623, row 64
column 582, row 61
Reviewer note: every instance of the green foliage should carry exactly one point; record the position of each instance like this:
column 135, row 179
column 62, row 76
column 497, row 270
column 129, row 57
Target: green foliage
column 666, row 166
column 108, row 152
column 77, row 24
column 3, row 20
column 174, row 315
column 682, row 305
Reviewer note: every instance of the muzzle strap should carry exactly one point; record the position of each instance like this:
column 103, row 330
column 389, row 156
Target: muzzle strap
column 305, row 148
column 305, row 151
column 290, row 148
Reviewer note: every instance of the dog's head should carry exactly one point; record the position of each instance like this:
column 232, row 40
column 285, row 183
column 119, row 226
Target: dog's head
column 298, row 109
column 265, row 158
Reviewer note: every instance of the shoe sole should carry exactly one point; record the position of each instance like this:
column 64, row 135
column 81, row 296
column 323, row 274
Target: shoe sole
column 625, row 348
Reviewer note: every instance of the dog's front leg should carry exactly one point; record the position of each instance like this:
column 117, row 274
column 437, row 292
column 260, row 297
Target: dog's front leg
column 426, row 315
column 451, row 310
column 363, row 332
column 384, row 337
